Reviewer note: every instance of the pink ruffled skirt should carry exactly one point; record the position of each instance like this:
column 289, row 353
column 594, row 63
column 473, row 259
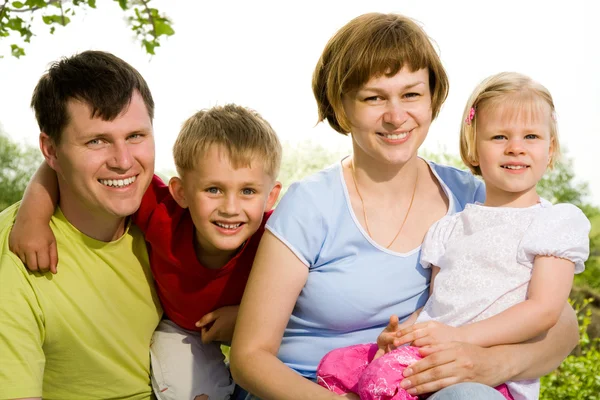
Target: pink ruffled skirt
column 352, row 370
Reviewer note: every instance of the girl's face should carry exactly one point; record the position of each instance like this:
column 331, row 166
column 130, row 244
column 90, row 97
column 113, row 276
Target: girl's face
column 390, row 116
column 514, row 148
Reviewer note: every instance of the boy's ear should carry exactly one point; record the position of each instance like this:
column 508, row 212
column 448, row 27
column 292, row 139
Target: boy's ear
column 273, row 196
column 48, row 148
column 176, row 189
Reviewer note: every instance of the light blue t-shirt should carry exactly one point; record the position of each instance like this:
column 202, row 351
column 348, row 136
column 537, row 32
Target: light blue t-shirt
column 354, row 285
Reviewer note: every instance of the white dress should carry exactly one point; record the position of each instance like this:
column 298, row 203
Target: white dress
column 485, row 255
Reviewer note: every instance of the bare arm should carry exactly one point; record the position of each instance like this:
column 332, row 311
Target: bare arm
column 275, row 282
column 31, row 238
column 548, row 291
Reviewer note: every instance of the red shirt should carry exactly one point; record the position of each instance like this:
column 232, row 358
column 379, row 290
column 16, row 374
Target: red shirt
column 187, row 289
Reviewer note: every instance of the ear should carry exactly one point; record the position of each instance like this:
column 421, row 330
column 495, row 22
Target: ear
column 176, row 190
column 273, row 196
column 551, row 153
column 48, row 148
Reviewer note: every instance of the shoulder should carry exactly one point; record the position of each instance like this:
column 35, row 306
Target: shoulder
column 465, row 186
column 563, row 216
column 319, row 191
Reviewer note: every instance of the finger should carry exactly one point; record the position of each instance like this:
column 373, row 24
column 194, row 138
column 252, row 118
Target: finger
column 393, row 325
column 423, row 341
column 437, row 358
column 43, row 260
column 31, row 261
column 379, row 353
column 385, row 339
column 428, row 387
column 408, row 338
column 206, row 319
column 22, row 257
column 53, row 258
column 208, row 335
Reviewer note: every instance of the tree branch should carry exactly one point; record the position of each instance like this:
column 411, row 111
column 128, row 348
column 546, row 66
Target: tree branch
column 24, row 10
column 150, row 18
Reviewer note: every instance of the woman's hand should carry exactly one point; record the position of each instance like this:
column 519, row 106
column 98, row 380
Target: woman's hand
column 445, row 364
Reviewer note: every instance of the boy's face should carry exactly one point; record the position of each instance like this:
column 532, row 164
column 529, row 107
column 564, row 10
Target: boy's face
column 226, row 204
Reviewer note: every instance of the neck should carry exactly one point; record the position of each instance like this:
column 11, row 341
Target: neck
column 384, row 180
column 97, row 227
column 500, row 198
column 213, row 260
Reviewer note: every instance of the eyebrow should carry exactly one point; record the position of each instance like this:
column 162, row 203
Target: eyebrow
column 409, row 86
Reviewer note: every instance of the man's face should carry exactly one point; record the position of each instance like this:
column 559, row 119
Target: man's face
column 103, row 167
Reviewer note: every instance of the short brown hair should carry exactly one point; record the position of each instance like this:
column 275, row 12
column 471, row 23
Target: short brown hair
column 368, row 46
column 513, row 88
column 242, row 132
column 103, row 81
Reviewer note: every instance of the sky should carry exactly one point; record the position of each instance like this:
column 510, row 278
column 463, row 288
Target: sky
column 261, row 54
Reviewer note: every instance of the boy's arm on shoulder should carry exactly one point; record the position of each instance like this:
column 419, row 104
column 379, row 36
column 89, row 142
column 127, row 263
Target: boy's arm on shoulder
column 22, row 331
column 31, row 238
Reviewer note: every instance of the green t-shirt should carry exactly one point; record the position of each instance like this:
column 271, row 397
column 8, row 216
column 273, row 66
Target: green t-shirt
column 85, row 332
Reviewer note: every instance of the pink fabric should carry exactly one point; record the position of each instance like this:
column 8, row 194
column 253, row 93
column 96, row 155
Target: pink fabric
column 352, row 370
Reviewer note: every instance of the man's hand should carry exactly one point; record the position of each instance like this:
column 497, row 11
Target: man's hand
column 35, row 245
column 427, row 334
column 218, row 325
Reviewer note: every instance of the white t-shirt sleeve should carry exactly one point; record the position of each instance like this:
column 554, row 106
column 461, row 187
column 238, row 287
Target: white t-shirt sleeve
column 299, row 223
column 560, row 231
column 434, row 245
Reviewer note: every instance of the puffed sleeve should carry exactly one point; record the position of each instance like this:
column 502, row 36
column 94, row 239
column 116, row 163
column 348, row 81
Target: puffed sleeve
column 561, row 231
column 299, row 223
column 434, row 245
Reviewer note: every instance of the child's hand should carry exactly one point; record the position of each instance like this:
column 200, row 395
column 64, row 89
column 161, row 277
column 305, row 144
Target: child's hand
column 387, row 339
column 35, row 245
column 428, row 333
column 217, row 326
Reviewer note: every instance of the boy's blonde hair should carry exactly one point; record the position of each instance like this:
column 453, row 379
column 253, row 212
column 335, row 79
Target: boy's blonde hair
column 506, row 88
column 372, row 45
column 240, row 131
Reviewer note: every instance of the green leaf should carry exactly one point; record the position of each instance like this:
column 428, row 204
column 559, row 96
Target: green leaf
column 17, row 4
column 162, row 28
column 122, row 4
column 55, row 19
column 16, row 51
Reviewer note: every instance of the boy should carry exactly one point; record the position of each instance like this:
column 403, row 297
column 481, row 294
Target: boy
column 203, row 231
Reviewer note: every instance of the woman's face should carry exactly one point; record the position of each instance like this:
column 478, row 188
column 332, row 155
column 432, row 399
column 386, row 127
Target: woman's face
column 390, row 116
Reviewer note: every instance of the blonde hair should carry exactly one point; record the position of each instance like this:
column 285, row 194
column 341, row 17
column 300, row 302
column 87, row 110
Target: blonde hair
column 496, row 91
column 368, row 46
column 240, row 131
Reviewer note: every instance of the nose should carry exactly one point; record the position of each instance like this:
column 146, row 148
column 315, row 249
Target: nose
column 395, row 114
column 515, row 147
column 230, row 205
column 121, row 158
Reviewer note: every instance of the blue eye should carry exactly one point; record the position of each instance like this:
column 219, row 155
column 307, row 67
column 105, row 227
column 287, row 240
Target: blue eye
column 498, row 137
column 212, row 190
column 248, row 192
column 531, row 136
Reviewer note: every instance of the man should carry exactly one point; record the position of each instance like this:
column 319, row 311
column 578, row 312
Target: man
column 85, row 333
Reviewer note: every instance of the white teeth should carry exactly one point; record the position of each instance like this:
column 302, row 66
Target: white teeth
column 228, row 226
column 117, row 182
column 396, row 136
column 514, row 166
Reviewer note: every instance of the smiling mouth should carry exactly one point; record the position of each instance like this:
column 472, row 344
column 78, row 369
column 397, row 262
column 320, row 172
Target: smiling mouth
column 515, row 167
column 228, row 226
column 395, row 136
column 118, row 183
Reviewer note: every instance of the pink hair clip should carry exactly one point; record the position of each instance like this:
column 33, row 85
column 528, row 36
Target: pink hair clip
column 470, row 116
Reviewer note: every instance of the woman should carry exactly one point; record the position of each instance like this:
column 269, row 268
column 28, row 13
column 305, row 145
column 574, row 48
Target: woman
column 340, row 254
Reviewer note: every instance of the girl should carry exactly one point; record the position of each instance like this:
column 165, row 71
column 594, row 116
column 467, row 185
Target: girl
column 501, row 271
column 359, row 224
